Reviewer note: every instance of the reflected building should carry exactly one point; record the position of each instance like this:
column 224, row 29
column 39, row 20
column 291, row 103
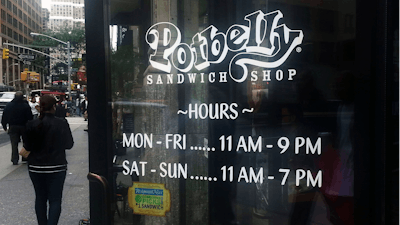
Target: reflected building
column 45, row 19
column 66, row 13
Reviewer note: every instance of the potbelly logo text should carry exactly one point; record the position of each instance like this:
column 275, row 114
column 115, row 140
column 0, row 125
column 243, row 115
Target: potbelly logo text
column 263, row 43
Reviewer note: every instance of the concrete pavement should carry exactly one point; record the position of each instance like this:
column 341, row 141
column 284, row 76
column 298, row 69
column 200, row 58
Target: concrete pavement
column 17, row 197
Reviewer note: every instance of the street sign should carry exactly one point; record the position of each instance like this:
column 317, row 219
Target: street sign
column 27, row 57
column 27, row 62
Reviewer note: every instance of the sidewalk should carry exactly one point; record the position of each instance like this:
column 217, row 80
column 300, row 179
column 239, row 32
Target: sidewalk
column 17, row 197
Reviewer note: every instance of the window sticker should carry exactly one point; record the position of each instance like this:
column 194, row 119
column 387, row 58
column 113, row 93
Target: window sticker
column 263, row 43
column 149, row 199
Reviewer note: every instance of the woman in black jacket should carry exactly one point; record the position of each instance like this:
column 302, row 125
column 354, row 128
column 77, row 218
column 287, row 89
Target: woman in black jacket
column 47, row 138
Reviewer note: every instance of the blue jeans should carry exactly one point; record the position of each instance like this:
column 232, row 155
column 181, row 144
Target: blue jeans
column 48, row 187
column 78, row 111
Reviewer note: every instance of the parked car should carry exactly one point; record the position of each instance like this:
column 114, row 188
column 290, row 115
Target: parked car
column 6, row 97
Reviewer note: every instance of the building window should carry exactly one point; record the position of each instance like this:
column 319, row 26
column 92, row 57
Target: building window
column 25, row 18
column 9, row 18
column 25, row 30
column 20, row 26
column 9, row 5
column 20, row 13
column 25, row 41
column 29, row 22
column 3, row 2
column 15, row 23
column 20, row 38
column 9, row 32
column 15, row 35
column 20, row 3
column 3, row 29
column 3, row 15
column 15, row 11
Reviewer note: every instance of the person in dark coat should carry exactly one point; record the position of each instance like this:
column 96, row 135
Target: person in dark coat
column 60, row 108
column 84, row 107
column 47, row 138
column 16, row 114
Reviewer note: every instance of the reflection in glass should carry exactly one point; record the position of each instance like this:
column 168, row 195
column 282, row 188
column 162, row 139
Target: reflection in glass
column 302, row 112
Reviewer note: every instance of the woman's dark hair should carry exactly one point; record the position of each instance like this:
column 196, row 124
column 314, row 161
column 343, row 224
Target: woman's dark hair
column 46, row 103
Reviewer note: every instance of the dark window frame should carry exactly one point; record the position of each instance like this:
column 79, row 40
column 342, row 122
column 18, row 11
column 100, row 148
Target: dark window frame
column 9, row 32
column 9, row 5
column 9, row 19
column 3, row 29
column 3, row 15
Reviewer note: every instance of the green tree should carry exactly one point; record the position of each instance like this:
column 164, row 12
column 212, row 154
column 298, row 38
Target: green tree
column 61, row 70
column 126, row 71
column 75, row 35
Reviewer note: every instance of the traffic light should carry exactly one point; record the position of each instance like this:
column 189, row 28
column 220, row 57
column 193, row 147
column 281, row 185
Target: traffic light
column 6, row 53
column 74, row 86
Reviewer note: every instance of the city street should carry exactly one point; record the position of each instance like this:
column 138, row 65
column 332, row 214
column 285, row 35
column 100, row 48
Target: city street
column 16, row 190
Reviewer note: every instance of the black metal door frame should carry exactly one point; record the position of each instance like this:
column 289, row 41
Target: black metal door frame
column 99, row 97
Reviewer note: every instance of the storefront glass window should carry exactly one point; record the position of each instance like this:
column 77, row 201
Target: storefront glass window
column 233, row 112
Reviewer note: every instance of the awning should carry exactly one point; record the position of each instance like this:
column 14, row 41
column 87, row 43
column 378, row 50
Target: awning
column 52, row 93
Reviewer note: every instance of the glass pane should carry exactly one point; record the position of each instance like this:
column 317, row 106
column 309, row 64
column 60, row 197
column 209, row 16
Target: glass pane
column 394, row 80
column 242, row 110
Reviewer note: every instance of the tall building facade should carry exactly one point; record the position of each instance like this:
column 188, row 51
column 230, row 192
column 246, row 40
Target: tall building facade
column 45, row 19
column 18, row 19
column 66, row 12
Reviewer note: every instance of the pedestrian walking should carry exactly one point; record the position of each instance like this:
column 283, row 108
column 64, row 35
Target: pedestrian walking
column 15, row 115
column 78, row 106
column 84, row 107
column 47, row 138
column 61, row 108
column 69, row 106
column 34, row 107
